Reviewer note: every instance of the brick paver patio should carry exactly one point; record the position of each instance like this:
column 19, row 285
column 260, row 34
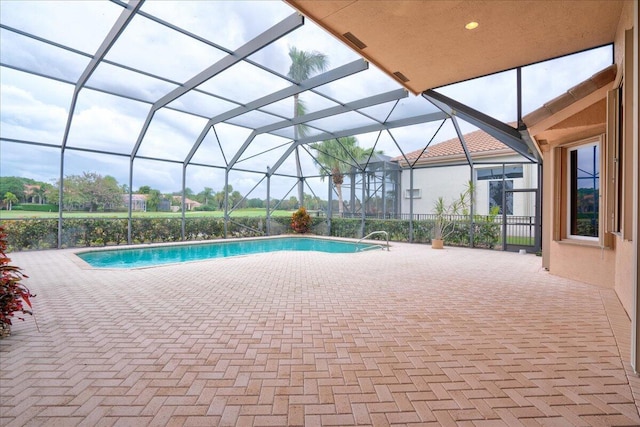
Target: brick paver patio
column 413, row 336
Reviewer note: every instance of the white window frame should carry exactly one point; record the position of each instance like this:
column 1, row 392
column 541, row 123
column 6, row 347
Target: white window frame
column 594, row 142
column 417, row 193
column 512, row 198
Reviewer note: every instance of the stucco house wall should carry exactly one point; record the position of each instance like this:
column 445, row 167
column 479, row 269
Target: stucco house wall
column 588, row 112
column 449, row 178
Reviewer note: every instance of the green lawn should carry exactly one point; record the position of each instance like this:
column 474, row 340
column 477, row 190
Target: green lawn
column 216, row 214
column 520, row 240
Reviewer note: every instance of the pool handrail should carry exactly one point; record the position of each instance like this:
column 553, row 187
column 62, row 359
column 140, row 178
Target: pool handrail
column 373, row 233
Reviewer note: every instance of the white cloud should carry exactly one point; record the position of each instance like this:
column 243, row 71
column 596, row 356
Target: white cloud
column 35, row 109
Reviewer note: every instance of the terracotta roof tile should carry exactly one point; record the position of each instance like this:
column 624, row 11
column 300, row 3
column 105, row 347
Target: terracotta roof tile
column 477, row 142
column 600, row 79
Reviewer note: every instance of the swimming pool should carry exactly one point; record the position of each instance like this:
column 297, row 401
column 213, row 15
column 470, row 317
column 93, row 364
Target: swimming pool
column 158, row 255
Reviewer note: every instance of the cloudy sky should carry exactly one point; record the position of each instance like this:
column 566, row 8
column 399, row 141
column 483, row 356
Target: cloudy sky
column 36, row 109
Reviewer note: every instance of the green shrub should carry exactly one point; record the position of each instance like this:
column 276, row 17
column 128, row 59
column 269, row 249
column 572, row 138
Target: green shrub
column 36, row 207
column 27, row 234
column 31, row 234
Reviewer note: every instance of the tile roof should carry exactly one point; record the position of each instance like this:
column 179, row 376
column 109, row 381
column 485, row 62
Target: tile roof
column 477, row 142
column 600, row 79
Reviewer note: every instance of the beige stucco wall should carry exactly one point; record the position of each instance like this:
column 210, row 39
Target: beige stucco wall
column 581, row 261
column 624, row 273
column 610, row 267
column 625, row 251
column 587, row 264
column 450, row 181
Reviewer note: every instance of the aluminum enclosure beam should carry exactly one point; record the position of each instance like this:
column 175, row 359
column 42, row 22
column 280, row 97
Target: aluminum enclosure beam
column 509, row 136
column 424, row 118
column 467, row 154
column 328, row 112
column 319, row 80
column 121, row 23
column 272, row 34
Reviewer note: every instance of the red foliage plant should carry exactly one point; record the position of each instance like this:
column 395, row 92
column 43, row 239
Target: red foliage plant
column 12, row 293
column 301, row 221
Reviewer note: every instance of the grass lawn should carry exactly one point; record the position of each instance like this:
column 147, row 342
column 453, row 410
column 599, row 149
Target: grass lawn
column 216, row 214
column 521, row 240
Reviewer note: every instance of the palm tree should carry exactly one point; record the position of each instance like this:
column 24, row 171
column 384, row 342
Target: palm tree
column 303, row 65
column 10, row 199
column 207, row 193
column 336, row 157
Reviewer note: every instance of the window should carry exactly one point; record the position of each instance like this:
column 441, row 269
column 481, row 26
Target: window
column 513, row 171
column 495, row 195
column 415, row 192
column 495, row 176
column 583, row 191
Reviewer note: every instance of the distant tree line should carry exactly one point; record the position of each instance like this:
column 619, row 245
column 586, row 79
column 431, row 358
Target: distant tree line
column 93, row 192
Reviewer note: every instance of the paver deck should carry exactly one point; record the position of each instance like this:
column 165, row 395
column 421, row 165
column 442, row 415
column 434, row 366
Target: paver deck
column 414, row 336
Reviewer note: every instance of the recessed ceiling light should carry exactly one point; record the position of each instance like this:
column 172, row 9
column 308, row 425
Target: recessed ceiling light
column 471, row 25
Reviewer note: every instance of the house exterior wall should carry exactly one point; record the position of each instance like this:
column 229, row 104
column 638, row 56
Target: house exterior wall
column 586, row 261
column 613, row 260
column 450, row 181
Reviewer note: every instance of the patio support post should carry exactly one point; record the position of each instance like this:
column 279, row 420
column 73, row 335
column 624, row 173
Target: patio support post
column 411, row 205
column 129, row 210
column 472, row 197
column 299, row 172
column 384, row 189
column 352, row 193
column 538, row 211
column 329, row 204
column 184, row 201
column 268, row 225
column 60, row 197
column 520, row 124
column 504, row 211
column 362, row 205
column 226, row 202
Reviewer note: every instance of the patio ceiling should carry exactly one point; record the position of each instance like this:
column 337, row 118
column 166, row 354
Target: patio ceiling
column 424, row 44
column 178, row 82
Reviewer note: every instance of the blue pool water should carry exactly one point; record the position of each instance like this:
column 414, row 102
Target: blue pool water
column 157, row 255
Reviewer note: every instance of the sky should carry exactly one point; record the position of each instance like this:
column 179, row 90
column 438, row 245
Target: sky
column 36, row 109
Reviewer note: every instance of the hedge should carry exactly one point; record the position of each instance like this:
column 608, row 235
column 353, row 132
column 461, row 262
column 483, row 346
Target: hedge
column 29, row 234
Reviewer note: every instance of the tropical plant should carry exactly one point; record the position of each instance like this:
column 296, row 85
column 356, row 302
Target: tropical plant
column 303, row 65
column 153, row 200
column 9, row 199
column 444, row 221
column 12, row 293
column 337, row 157
column 301, row 221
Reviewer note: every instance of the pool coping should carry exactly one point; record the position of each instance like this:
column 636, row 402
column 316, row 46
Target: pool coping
column 81, row 263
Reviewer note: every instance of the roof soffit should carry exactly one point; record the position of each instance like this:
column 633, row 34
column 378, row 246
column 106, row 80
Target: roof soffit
column 427, row 41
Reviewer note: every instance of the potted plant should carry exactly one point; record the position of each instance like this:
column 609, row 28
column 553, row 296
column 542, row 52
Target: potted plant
column 301, row 221
column 444, row 220
column 12, row 293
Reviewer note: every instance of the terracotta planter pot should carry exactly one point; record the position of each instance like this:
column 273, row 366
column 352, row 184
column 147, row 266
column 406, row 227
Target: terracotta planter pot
column 5, row 330
column 437, row 243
